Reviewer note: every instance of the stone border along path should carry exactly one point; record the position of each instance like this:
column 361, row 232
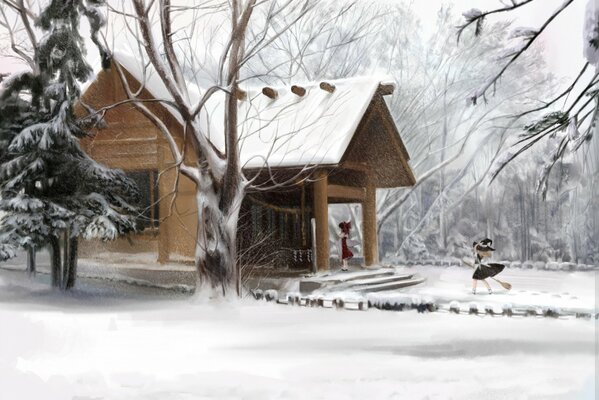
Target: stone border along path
column 363, row 304
column 538, row 265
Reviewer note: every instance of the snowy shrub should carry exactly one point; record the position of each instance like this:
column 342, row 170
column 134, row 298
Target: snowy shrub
column 552, row 266
column 527, row 265
column 454, row 307
column 551, row 311
column 271, row 294
column 583, row 314
column 516, row 264
column 539, row 265
column 568, row 266
column 395, row 302
column 473, row 308
column 428, row 304
column 507, row 309
column 533, row 311
column 293, row 298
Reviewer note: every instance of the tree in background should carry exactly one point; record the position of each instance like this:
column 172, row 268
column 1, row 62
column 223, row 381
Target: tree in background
column 578, row 113
column 52, row 192
column 564, row 132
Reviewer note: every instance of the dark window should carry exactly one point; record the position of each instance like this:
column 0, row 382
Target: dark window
column 147, row 183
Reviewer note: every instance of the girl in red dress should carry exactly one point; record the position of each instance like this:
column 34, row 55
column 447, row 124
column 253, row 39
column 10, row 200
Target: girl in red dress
column 346, row 253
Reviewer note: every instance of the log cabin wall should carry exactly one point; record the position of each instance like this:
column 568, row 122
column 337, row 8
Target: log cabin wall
column 132, row 143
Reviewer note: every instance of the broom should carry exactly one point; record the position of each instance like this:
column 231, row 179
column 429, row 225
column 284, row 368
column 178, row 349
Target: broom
column 505, row 285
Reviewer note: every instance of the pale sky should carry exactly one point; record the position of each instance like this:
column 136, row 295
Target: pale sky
column 562, row 40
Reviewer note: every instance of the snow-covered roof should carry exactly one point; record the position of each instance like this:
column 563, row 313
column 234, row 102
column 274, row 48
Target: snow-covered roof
column 287, row 131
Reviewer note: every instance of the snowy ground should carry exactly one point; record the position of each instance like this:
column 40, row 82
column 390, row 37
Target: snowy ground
column 558, row 289
column 110, row 340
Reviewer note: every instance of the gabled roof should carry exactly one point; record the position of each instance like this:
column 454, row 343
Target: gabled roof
column 286, row 131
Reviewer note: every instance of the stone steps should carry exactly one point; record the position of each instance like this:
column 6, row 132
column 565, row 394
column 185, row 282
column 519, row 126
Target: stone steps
column 308, row 285
column 391, row 285
column 360, row 281
column 379, row 280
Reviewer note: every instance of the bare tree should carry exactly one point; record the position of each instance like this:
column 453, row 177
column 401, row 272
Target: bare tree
column 174, row 40
column 578, row 113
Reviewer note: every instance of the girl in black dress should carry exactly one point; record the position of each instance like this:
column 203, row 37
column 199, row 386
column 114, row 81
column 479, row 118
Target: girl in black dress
column 482, row 271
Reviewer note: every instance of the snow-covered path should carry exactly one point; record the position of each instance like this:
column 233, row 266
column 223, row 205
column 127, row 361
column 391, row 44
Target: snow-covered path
column 100, row 344
column 539, row 288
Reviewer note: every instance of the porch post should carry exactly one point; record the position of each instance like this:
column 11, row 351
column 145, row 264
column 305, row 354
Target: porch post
column 163, row 188
column 321, row 215
column 370, row 241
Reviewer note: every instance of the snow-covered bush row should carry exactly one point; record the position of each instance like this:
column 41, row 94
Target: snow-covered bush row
column 550, row 266
column 400, row 302
column 422, row 304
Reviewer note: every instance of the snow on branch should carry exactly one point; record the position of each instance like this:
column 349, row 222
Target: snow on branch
column 591, row 32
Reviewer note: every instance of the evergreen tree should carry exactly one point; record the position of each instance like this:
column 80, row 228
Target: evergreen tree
column 51, row 191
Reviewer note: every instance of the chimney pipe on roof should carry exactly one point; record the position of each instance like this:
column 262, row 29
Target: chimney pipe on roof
column 327, row 87
column 270, row 92
column 298, row 90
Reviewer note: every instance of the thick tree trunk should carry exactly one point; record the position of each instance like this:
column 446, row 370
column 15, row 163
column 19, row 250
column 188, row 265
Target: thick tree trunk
column 55, row 269
column 31, row 268
column 216, row 247
column 65, row 260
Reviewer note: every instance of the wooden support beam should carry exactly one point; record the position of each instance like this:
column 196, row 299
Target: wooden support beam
column 369, row 236
column 327, row 87
column 356, row 166
column 346, row 192
column 163, row 205
column 298, row 90
column 321, row 215
column 270, row 92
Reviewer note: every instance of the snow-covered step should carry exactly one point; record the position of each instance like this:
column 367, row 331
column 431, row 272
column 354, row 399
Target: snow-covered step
column 351, row 276
column 391, row 285
column 308, row 285
column 378, row 280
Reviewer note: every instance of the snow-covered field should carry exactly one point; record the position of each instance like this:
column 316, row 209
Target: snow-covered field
column 110, row 340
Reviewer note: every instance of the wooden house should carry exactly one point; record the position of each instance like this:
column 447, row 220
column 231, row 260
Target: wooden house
column 304, row 147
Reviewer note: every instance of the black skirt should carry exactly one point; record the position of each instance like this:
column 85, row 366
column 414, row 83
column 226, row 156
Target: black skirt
column 485, row 271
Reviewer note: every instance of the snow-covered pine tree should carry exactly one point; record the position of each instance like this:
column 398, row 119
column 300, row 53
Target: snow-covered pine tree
column 51, row 191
